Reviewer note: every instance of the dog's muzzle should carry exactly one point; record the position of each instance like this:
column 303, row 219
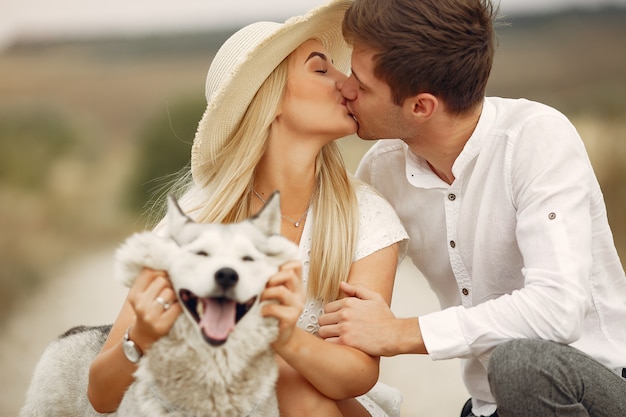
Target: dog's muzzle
column 217, row 316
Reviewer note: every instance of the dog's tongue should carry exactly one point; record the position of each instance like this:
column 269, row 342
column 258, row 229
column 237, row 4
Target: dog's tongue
column 219, row 317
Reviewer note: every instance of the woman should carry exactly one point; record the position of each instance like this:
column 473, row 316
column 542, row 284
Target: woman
column 274, row 112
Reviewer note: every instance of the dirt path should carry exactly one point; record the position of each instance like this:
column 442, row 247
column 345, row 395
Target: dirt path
column 82, row 293
column 86, row 293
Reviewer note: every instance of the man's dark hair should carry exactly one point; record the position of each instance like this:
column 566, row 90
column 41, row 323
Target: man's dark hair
column 442, row 47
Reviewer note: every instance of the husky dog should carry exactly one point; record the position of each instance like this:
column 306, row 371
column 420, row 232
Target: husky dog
column 217, row 359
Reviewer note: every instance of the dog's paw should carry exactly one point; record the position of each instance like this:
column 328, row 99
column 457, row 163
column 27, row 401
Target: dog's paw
column 143, row 250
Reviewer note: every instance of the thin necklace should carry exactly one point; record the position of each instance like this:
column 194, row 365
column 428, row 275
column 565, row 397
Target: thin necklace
column 296, row 223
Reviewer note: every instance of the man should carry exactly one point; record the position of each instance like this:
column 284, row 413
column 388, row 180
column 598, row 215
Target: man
column 506, row 219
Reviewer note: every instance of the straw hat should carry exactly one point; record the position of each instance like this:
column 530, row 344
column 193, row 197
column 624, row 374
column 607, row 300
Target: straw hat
column 245, row 61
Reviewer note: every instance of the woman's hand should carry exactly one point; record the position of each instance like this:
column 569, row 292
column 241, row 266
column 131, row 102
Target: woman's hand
column 111, row 373
column 156, row 307
column 286, row 288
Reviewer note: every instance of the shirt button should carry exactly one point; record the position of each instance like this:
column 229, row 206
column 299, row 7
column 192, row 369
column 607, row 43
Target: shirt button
column 451, row 197
column 465, row 291
column 452, row 244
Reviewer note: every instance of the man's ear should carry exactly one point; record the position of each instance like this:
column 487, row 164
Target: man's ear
column 421, row 107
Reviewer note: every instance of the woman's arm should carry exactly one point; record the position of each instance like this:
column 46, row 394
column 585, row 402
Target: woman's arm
column 111, row 373
column 338, row 371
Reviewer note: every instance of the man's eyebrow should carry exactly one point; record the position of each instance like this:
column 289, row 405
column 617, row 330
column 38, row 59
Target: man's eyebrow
column 314, row 54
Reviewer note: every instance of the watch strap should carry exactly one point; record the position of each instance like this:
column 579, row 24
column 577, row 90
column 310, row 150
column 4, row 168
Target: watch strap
column 130, row 348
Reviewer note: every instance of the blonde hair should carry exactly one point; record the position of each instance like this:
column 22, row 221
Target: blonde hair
column 223, row 191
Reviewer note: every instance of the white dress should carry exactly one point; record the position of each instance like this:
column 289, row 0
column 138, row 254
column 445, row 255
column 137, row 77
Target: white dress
column 379, row 227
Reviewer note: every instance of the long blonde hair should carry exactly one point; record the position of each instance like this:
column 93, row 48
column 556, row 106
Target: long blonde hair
column 224, row 191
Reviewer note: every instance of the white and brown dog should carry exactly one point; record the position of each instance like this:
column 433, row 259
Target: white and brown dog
column 217, row 359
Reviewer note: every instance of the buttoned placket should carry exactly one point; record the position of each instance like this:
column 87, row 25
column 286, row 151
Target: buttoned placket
column 452, row 204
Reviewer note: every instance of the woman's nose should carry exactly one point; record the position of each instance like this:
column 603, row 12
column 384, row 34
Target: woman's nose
column 340, row 79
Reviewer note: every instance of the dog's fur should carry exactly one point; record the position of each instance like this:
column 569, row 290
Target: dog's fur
column 197, row 369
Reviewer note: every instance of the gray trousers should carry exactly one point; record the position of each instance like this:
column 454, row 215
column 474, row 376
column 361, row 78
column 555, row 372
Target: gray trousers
column 540, row 378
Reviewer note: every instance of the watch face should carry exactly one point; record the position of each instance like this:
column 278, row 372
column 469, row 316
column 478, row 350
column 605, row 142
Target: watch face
column 131, row 351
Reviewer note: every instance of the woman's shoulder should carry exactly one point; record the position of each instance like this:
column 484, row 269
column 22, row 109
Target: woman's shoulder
column 379, row 225
column 369, row 198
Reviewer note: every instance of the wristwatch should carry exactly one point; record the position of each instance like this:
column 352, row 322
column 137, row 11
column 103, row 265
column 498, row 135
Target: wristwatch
column 131, row 350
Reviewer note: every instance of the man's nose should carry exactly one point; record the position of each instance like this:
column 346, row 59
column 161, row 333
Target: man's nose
column 348, row 89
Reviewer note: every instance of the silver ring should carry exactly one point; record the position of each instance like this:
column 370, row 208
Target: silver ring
column 164, row 303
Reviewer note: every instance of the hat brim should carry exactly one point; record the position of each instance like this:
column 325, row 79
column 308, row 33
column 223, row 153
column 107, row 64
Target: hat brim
column 228, row 98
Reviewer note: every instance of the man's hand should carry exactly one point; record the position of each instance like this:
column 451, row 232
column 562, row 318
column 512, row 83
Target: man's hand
column 363, row 320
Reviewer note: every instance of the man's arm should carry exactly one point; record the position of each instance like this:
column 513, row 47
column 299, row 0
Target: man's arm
column 363, row 320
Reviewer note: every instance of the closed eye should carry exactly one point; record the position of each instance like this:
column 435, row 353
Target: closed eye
column 202, row 253
column 320, row 60
column 247, row 259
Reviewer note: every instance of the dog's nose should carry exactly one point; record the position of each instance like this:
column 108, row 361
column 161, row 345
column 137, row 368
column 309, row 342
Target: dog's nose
column 226, row 277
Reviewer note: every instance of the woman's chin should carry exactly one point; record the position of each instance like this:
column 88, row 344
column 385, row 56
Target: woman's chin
column 347, row 133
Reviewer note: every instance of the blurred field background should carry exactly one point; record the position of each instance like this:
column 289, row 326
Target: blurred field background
column 88, row 129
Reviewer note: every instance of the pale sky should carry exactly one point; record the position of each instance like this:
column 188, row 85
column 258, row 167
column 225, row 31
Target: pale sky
column 51, row 18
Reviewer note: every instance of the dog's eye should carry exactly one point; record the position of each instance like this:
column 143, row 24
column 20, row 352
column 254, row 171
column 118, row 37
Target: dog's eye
column 247, row 259
column 202, row 253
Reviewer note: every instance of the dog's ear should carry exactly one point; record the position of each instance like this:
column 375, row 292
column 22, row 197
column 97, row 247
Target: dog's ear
column 268, row 219
column 176, row 218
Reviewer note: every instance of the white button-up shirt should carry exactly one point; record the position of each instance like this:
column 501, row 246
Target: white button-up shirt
column 518, row 246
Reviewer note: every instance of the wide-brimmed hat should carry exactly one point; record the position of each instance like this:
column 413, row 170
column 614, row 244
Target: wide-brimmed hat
column 245, row 61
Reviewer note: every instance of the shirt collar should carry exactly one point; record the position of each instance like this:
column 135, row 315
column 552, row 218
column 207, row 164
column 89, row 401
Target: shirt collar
column 418, row 172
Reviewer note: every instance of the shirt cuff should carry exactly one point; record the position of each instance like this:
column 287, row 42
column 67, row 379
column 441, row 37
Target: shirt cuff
column 442, row 335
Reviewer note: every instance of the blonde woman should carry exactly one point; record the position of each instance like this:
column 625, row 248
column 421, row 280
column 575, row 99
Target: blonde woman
column 273, row 116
